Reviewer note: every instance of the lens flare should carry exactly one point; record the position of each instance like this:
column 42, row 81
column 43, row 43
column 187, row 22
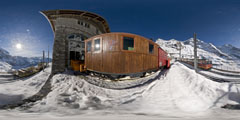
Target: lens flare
column 19, row 46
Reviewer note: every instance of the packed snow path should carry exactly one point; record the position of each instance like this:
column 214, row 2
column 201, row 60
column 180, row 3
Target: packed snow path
column 181, row 94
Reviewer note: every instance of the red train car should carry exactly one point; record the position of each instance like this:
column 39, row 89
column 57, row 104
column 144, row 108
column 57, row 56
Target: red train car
column 163, row 60
column 202, row 63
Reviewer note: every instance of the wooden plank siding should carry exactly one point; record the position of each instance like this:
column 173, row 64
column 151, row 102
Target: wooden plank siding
column 113, row 59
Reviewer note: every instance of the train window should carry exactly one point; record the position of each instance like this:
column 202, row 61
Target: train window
column 151, row 48
column 128, row 43
column 89, row 46
column 97, row 45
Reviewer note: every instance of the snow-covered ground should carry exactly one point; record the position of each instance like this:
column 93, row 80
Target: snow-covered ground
column 16, row 90
column 181, row 94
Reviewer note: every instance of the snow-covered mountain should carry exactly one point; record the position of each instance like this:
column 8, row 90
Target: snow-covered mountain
column 234, row 52
column 8, row 62
column 223, row 55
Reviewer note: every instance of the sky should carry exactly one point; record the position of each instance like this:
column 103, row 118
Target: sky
column 214, row 21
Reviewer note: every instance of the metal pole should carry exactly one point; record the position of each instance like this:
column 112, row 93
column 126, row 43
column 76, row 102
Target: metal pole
column 43, row 59
column 195, row 51
column 180, row 51
column 48, row 57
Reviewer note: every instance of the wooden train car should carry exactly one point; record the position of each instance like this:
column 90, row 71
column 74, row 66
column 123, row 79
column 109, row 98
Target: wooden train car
column 123, row 54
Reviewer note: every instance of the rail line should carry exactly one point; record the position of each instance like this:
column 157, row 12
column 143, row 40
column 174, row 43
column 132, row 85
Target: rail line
column 214, row 78
column 226, row 70
column 224, row 73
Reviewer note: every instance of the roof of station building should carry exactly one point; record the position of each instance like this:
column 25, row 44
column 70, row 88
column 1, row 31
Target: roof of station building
column 51, row 15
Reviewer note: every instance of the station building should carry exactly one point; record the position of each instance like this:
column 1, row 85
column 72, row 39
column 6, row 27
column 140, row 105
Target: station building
column 71, row 28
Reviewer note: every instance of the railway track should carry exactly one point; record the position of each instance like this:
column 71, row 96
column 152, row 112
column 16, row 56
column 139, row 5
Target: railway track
column 218, row 79
column 219, row 76
column 231, row 74
column 226, row 70
column 124, row 83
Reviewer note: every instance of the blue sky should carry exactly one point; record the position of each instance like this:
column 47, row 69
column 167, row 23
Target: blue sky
column 214, row 21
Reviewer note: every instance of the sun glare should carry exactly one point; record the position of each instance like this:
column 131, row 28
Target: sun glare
column 19, row 46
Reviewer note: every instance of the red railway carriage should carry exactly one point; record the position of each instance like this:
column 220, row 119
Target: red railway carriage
column 162, row 58
column 202, row 63
column 123, row 54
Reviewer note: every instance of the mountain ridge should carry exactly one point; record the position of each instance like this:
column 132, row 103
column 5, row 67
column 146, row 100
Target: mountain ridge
column 221, row 55
column 9, row 62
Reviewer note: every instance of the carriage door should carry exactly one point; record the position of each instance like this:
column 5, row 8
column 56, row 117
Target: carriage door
column 76, row 49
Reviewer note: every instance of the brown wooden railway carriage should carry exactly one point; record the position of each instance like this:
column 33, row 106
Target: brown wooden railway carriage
column 121, row 54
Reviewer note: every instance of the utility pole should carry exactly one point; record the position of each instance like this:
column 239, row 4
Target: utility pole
column 195, row 51
column 180, row 49
column 43, row 59
column 48, row 57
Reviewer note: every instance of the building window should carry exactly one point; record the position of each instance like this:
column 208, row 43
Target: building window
column 89, row 46
column 71, row 37
column 97, row 31
column 97, row 45
column 128, row 43
column 151, row 48
column 77, row 37
column 86, row 25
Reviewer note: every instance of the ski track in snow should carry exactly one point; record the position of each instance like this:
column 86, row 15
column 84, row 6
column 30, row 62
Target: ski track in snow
column 181, row 94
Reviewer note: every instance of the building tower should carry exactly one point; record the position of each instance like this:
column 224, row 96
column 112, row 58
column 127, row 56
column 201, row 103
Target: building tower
column 71, row 28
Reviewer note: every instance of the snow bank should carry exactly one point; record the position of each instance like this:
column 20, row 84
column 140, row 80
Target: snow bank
column 180, row 94
column 181, row 90
column 193, row 92
column 20, row 89
column 73, row 92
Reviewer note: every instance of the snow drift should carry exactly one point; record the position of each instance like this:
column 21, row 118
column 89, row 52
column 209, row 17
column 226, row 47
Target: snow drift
column 178, row 94
column 17, row 90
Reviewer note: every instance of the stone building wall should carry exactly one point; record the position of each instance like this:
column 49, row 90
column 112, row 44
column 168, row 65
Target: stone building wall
column 65, row 25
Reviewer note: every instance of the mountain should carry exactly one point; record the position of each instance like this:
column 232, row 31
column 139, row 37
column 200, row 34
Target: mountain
column 223, row 55
column 8, row 62
column 234, row 52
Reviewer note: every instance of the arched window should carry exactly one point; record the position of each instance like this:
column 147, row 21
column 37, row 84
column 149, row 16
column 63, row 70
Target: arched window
column 76, row 37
